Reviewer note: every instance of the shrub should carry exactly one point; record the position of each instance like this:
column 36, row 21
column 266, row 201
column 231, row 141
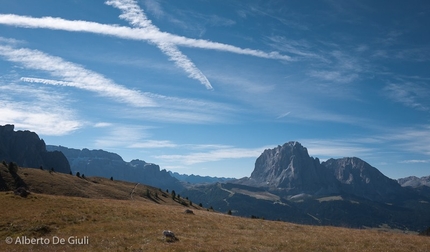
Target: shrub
column 13, row 167
column 78, row 174
column 229, row 212
column 426, row 232
column 200, row 205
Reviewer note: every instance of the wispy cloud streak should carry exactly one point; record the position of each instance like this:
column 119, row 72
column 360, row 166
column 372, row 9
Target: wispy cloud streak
column 42, row 111
column 131, row 33
column 73, row 75
column 135, row 15
column 212, row 155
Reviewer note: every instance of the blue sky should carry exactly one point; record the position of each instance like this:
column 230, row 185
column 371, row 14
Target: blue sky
column 204, row 87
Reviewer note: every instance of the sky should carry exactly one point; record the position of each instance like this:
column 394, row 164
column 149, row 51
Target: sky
column 204, row 87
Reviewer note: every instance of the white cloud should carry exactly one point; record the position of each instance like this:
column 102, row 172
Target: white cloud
column 120, row 135
column 73, row 75
column 216, row 154
column 154, row 7
column 409, row 94
column 102, row 125
column 335, row 76
column 41, row 111
column 411, row 140
column 151, row 144
column 414, row 161
column 336, row 148
column 10, row 41
column 131, row 33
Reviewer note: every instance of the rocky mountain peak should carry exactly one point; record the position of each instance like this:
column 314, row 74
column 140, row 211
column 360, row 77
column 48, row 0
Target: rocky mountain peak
column 350, row 169
column 290, row 167
column 360, row 178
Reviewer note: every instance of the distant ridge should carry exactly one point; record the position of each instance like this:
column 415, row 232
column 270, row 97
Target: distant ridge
column 414, row 182
column 107, row 164
column 197, row 179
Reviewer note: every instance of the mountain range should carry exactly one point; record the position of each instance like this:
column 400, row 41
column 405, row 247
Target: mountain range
column 286, row 184
column 107, row 164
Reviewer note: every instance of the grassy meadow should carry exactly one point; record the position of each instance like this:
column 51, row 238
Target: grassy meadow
column 137, row 225
column 111, row 218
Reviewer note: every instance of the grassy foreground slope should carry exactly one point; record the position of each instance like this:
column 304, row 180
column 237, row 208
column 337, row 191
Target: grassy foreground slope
column 112, row 222
column 126, row 225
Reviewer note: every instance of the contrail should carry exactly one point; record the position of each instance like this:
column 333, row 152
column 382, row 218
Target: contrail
column 131, row 33
column 132, row 13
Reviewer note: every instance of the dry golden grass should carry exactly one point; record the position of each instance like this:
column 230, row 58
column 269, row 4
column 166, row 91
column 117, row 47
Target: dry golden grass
column 104, row 211
column 136, row 225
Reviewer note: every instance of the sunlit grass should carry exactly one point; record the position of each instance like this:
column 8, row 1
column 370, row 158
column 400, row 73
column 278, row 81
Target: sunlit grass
column 127, row 225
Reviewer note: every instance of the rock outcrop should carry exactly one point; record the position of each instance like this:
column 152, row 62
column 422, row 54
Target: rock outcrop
column 26, row 149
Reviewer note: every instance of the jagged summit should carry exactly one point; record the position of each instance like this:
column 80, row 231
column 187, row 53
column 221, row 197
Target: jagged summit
column 291, row 168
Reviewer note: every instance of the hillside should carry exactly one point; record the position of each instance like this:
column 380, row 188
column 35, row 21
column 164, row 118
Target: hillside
column 117, row 225
column 106, row 224
column 104, row 216
column 53, row 183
